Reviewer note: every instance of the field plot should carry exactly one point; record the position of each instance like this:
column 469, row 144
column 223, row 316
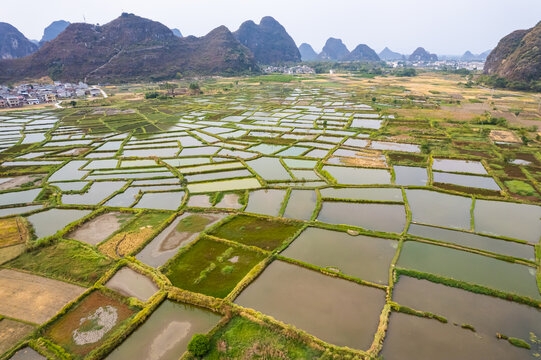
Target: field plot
column 397, row 216
column 211, row 267
column 89, row 323
column 98, row 229
column 238, row 339
column 360, row 256
column 335, row 310
column 165, row 335
column 33, row 298
column 182, row 231
column 263, row 233
column 412, row 337
column 11, row 332
column 27, row 353
column 133, row 235
column 132, row 284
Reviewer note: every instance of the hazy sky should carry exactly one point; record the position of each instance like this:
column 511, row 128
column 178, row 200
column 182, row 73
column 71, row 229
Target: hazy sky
column 443, row 27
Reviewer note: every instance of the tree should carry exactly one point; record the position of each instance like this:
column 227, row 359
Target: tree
column 170, row 87
column 199, row 345
column 73, row 103
column 151, row 95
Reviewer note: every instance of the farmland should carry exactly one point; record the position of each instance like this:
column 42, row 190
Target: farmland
column 324, row 217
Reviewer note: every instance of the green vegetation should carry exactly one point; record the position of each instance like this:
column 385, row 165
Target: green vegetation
column 67, row 260
column 253, row 231
column 159, row 137
column 279, row 78
column 193, row 223
column 211, row 267
column 199, row 345
column 519, row 343
column 520, row 187
column 240, row 337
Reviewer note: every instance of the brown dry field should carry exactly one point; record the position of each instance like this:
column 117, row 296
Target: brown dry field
column 17, row 181
column 12, row 231
column 504, row 135
column 33, row 298
column 100, row 228
column 11, row 332
column 11, row 252
column 61, row 332
column 125, row 243
column 30, row 107
column 500, row 103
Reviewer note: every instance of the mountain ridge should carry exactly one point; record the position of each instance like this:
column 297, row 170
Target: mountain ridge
column 13, row 44
column 130, row 48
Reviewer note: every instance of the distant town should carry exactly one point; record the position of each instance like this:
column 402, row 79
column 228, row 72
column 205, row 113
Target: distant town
column 36, row 94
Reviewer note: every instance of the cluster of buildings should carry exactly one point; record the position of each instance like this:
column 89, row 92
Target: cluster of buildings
column 440, row 64
column 292, row 70
column 34, row 94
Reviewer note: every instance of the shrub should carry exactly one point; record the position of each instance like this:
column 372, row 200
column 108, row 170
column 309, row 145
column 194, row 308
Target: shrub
column 199, row 345
column 152, row 95
column 519, row 342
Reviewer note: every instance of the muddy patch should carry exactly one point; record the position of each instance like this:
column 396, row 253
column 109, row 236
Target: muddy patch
column 179, row 233
column 132, row 284
column 100, row 228
column 11, row 332
column 18, row 181
column 504, row 136
column 86, row 326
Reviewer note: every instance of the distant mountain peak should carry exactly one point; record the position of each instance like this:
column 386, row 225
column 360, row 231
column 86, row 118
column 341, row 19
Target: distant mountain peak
column 269, row 41
column 307, row 52
column 334, row 50
column 53, row 30
column 13, row 44
column 389, row 55
column 362, row 52
column 420, row 54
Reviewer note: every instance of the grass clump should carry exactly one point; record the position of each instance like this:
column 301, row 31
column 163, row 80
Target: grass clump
column 68, row 260
column 211, row 268
column 520, row 188
column 193, row 223
column 133, row 235
column 242, row 339
column 519, row 343
column 253, row 231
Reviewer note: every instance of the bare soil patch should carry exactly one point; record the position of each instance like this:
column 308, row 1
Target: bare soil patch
column 11, row 252
column 20, row 180
column 504, row 136
column 125, row 243
column 100, row 228
column 130, row 283
column 11, row 332
column 33, row 298
column 86, row 326
column 12, row 231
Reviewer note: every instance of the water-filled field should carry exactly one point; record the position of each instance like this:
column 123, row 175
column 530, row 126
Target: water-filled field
column 296, row 221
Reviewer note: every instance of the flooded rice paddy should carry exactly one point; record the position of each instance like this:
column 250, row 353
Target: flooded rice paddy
column 335, row 310
column 301, row 203
column 165, row 335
